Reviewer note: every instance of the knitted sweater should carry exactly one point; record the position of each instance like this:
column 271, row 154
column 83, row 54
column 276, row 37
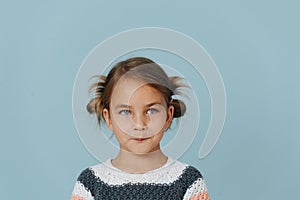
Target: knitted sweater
column 174, row 180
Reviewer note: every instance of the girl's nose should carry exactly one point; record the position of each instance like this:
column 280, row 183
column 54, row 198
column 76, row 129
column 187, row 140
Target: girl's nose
column 140, row 122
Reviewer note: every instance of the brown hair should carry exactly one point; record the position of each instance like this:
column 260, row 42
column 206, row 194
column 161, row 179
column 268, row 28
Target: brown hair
column 144, row 70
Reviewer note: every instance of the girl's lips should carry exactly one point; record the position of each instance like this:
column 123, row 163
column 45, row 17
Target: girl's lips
column 140, row 139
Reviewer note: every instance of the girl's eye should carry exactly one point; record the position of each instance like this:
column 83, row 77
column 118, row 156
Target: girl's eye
column 152, row 111
column 125, row 112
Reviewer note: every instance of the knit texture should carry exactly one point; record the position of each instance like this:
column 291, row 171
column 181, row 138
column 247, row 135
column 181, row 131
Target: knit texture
column 174, row 180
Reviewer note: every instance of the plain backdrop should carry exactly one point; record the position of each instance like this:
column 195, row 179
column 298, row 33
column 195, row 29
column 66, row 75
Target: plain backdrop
column 255, row 45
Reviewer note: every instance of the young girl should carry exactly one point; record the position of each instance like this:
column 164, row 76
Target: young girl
column 136, row 102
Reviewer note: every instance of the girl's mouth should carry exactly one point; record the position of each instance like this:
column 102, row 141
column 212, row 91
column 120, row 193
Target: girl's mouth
column 140, row 139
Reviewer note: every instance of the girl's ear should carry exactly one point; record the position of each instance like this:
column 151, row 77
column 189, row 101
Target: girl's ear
column 106, row 116
column 170, row 113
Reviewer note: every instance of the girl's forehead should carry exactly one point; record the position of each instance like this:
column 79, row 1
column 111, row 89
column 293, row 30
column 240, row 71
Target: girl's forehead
column 132, row 90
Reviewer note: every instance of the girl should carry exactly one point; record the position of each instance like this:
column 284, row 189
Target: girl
column 136, row 102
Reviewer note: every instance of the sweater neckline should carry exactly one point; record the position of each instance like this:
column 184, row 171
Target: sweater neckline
column 109, row 164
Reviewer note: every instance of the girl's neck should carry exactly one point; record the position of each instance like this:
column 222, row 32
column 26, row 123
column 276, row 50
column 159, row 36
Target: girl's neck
column 139, row 163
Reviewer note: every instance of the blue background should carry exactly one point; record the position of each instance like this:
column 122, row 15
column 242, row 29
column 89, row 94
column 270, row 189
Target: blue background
column 255, row 44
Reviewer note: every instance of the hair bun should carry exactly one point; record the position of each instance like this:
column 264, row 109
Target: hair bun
column 179, row 108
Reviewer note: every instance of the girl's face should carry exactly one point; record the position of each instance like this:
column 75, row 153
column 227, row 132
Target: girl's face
column 138, row 116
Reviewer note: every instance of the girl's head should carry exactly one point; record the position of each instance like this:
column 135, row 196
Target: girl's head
column 137, row 98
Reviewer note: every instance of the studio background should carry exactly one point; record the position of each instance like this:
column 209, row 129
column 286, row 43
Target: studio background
column 254, row 44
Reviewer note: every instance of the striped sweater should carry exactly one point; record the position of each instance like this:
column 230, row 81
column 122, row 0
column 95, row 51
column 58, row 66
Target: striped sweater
column 174, row 180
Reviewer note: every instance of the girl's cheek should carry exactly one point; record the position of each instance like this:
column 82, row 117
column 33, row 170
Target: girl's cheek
column 123, row 123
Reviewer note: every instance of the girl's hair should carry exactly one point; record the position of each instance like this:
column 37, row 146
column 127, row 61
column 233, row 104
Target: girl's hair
column 144, row 70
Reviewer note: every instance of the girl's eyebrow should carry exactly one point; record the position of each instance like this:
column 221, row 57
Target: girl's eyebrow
column 152, row 104
column 122, row 106
column 128, row 106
